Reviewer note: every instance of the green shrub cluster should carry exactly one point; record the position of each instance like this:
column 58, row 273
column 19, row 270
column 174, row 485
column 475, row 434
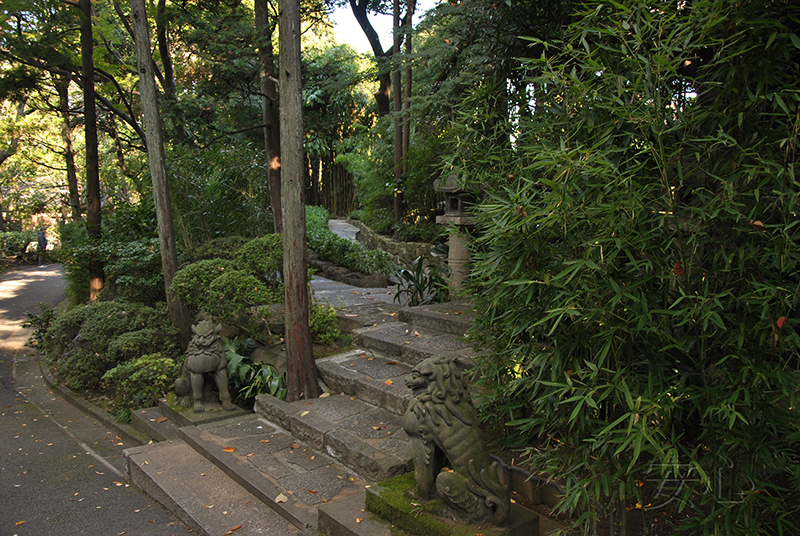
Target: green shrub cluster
column 638, row 277
column 324, row 326
column 15, row 243
column 142, row 381
column 89, row 340
column 341, row 251
column 129, row 251
column 235, row 290
column 225, row 247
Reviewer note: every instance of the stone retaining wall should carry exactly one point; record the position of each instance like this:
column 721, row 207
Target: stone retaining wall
column 403, row 253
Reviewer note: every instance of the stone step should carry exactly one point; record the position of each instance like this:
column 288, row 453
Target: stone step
column 151, row 421
column 368, row 376
column 367, row 439
column 199, row 493
column 412, row 345
column 454, row 318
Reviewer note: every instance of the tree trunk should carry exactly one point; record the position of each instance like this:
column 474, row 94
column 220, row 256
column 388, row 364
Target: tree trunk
column 93, row 217
column 269, row 109
column 412, row 5
column 158, row 171
column 398, row 126
column 301, row 369
column 62, row 88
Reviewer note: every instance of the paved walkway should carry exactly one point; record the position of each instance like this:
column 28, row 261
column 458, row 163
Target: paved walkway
column 61, row 470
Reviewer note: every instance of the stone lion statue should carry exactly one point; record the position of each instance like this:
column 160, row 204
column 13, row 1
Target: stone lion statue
column 205, row 355
column 443, row 427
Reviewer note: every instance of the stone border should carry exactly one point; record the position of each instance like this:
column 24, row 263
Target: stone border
column 402, row 253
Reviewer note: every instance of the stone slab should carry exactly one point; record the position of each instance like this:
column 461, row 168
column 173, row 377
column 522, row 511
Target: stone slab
column 348, row 517
column 372, row 463
column 353, row 317
column 197, row 492
column 249, row 478
column 410, row 344
column 455, row 317
column 187, row 417
column 151, row 421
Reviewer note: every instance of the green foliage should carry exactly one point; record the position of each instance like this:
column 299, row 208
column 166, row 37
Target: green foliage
column 339, row 250
column 74, row 242
column 324, row 326
column 638, row 276
column 192, row 283
column 421, row 285
column 81, row 343
column 136, row 343
column 239, row 298
column 248, row 379
column 224, row 247
column 263, row 258
column 40, row 323
column 141, row 382
column 15, row 243
column 219, row 191
column 129, row 251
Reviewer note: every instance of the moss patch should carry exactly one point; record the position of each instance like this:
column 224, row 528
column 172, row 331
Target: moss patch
column 397, row 501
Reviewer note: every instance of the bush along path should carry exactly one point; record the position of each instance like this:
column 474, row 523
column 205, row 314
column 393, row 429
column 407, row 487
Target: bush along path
column 309, row 461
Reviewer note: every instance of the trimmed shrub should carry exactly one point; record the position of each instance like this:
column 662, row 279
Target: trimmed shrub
column 263, row 258
column 141, row 382
column 192, row 283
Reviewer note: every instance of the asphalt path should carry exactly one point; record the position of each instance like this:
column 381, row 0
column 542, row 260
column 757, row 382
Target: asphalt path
column 61, row 472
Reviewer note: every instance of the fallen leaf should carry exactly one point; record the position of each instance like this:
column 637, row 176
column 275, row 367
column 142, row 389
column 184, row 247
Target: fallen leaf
column 678, row 269
column 20, row 523
column 294, row 446
column 376, row 427
column 391, row 363
column 304, row 413
column 416, row 334
column 311, row 491
column 359, row 519
column 324, row 395
column 161, row 419
column 265, row 441
column 237, row 527
column 781, row 322
column 248, row 455
column 281, row 498
column 228, row 449
column 388, row 382
column 212, row 506
column 290, row 492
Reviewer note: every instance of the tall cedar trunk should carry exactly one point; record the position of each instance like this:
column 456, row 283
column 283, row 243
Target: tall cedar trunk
column 383, row 97
column 62, row 88
column 93, row 218
column 300, row 366
column 398, row 127
column 412, row 6
column 158, row 171
column 269, row 109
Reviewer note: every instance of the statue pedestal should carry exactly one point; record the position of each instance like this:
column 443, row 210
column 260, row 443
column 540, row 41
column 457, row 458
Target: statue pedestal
column 391, row 505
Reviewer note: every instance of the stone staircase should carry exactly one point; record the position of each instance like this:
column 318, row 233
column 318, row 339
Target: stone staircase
column 302, row 467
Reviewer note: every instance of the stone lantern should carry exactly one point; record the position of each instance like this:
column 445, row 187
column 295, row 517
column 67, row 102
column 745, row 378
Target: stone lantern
column 456, row 214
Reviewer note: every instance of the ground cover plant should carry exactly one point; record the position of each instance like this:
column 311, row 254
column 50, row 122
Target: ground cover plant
column 637, row 274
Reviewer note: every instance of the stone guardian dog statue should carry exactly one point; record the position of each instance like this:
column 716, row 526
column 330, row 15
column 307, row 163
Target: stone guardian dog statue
column 205, row 355
column 442, row 425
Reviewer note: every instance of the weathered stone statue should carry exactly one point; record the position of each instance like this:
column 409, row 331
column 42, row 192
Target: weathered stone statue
column 443, row 427
column 205, row 355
